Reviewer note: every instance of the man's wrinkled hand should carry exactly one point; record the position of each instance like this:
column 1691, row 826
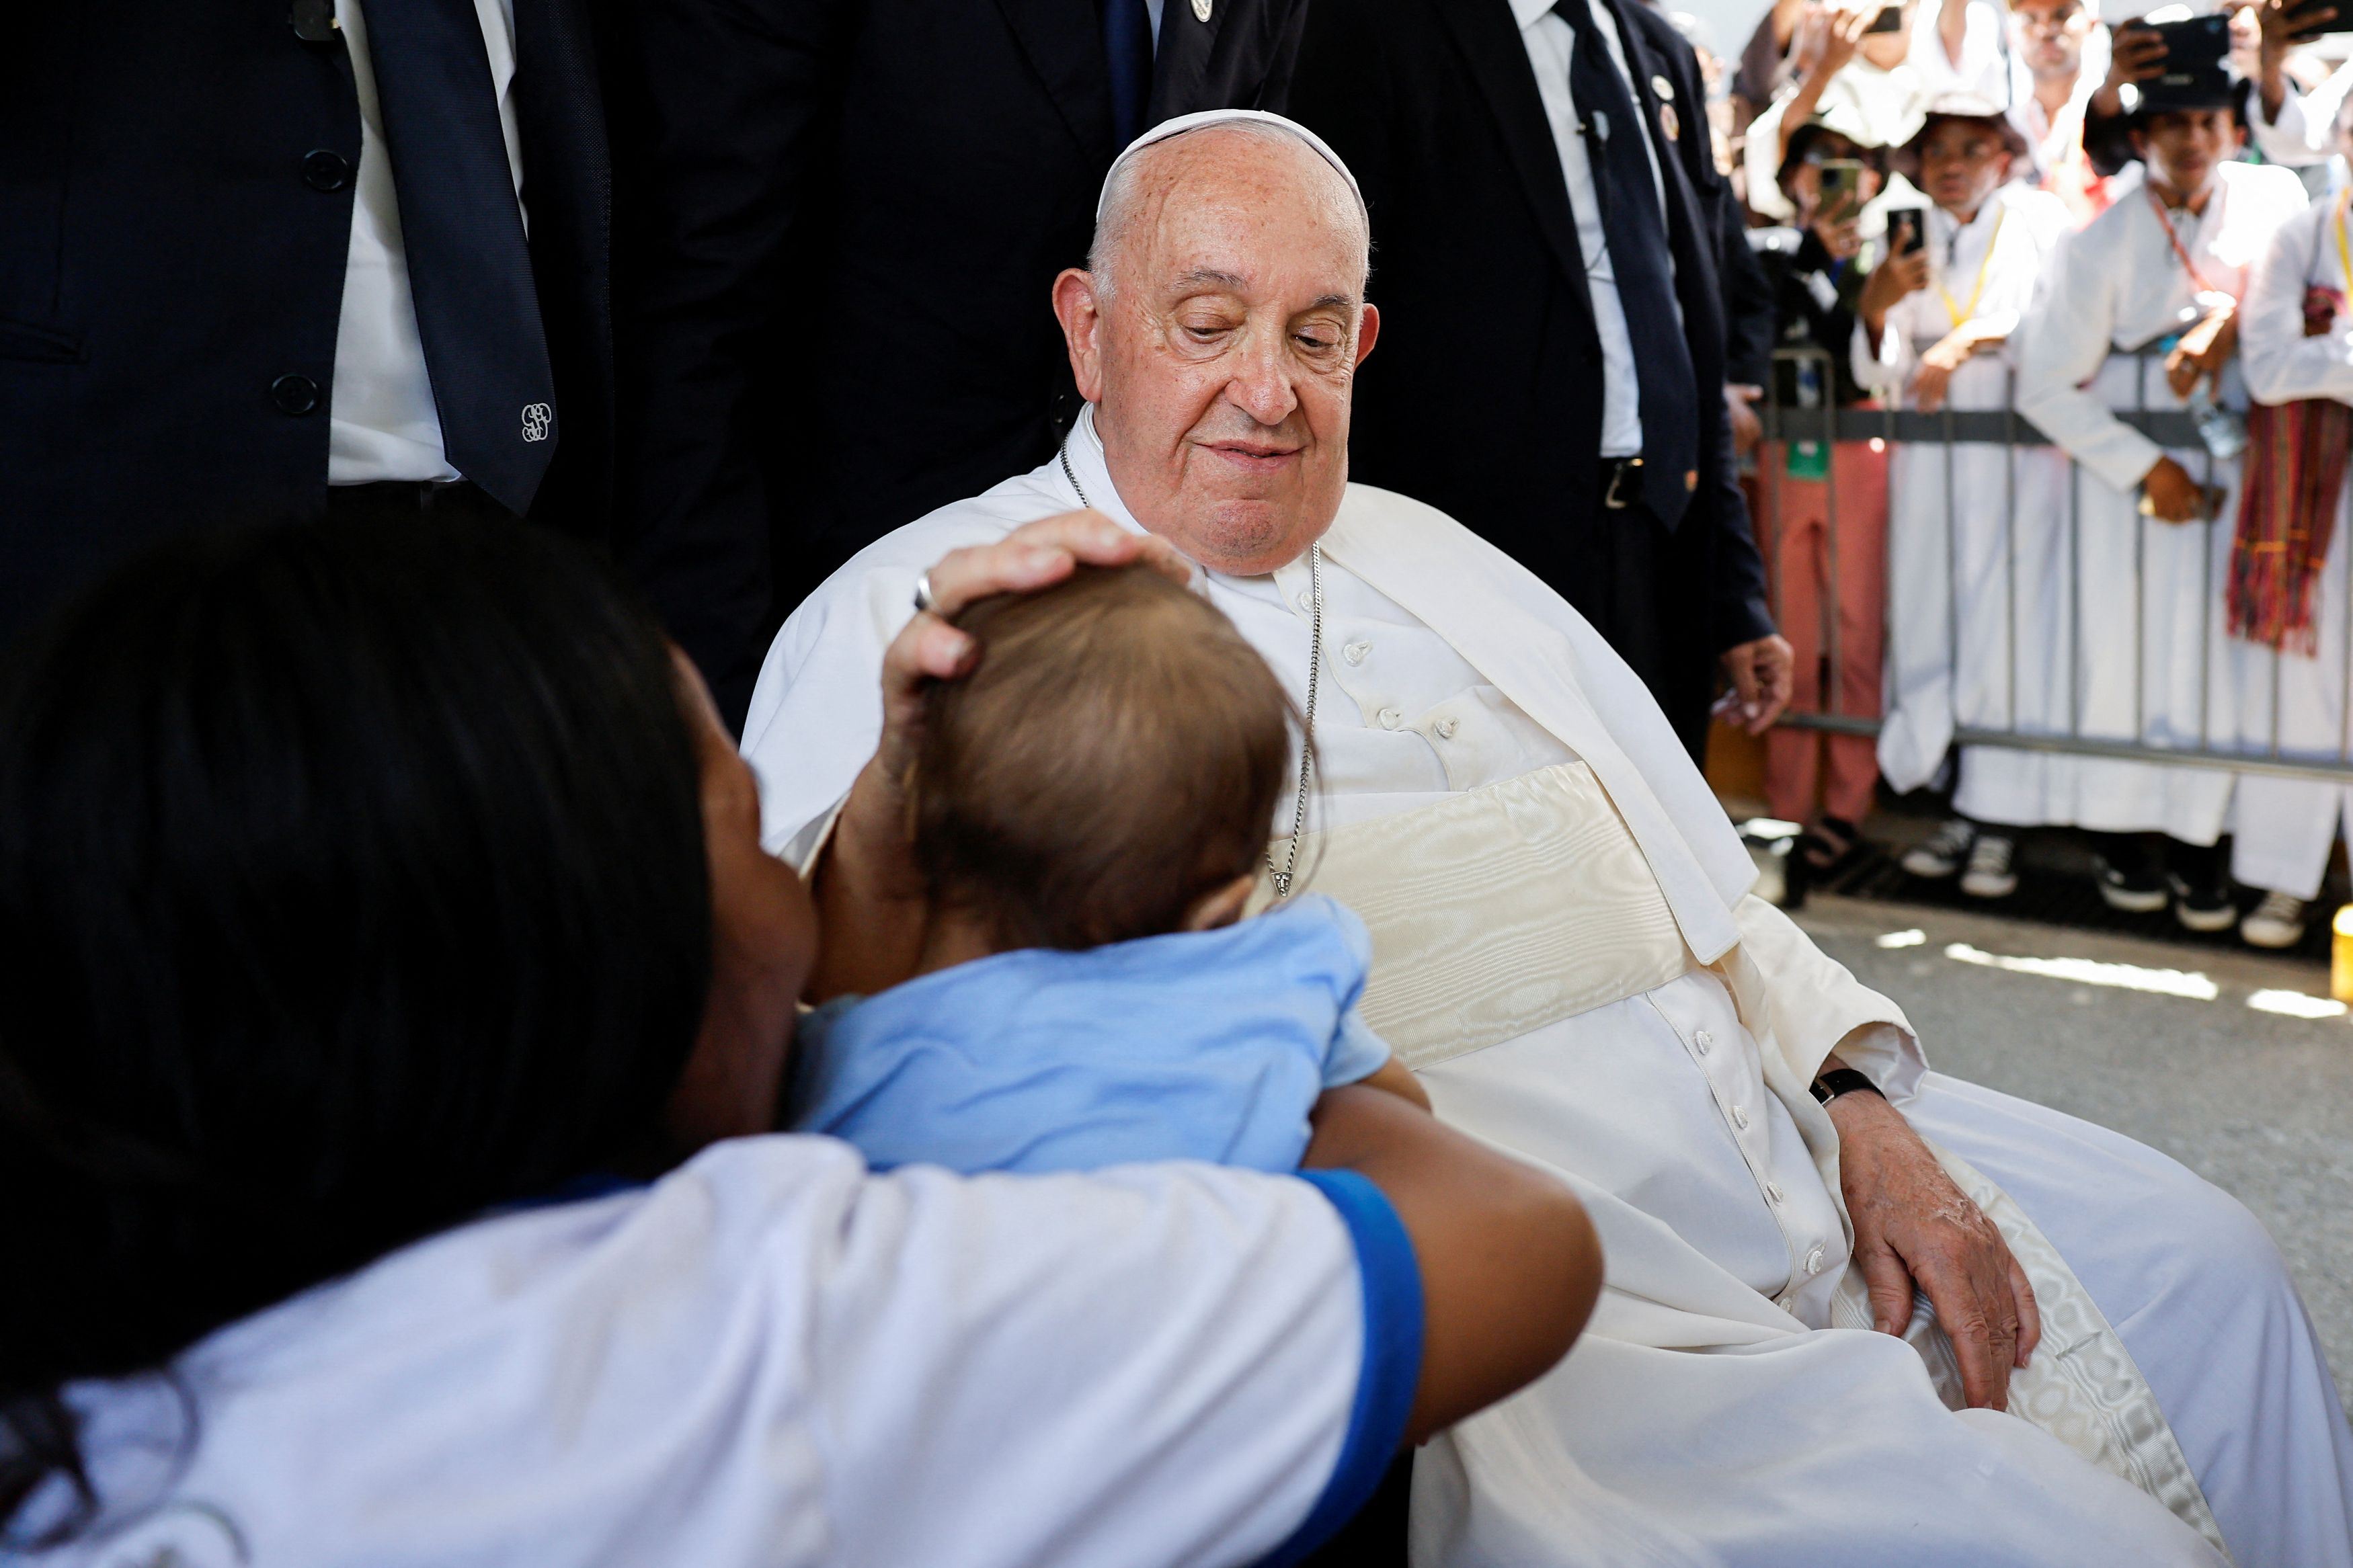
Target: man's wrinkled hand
column 1033, row 556
column 1914, row 1229
column 1763, row 673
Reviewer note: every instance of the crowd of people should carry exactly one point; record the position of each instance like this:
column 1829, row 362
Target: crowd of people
column 2077, row 220
column 728, row 834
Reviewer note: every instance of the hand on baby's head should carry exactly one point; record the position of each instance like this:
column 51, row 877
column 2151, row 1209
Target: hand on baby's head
column 1108, row 772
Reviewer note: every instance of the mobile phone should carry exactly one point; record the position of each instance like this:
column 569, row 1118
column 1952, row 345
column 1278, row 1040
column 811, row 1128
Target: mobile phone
column 1840, row 191
column 1908, row 230
column 2193, row 46
column 1889, row 20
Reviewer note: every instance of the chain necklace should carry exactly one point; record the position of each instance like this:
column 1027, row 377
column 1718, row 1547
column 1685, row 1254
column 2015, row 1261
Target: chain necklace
column 1280, row 875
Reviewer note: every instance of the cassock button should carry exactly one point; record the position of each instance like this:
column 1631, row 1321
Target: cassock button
column 1446, row 728
column 1703, row 1039
column 295, row 394
column 1773, row 1194
column 324, row 169
column 1814, row 1261
column 1355, row 651
column 1391, row 718
column 1307, row 600
column 1740, row 1119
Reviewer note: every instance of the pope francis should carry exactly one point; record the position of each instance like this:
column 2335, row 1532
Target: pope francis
column 1856, row 1312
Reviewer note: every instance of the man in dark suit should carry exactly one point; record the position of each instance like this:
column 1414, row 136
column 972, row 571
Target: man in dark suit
column 856, row 210
column 261, row 261
column 1547, row 218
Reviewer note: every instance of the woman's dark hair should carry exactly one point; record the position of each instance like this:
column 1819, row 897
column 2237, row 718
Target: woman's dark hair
column 352, row 883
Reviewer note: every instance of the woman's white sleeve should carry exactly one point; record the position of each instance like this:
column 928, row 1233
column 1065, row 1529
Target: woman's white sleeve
column 1175, row 1363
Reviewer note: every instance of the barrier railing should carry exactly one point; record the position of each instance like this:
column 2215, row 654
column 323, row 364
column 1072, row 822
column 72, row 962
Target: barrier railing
column 1949, row 430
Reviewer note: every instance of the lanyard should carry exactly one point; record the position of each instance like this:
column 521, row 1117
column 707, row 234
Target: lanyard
column 2188, row 266
column 1958, row 313
column 2344, row 254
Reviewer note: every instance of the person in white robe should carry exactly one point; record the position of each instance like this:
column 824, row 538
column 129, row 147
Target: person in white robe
column 2139, row 314
column 1975, row 575
column 2295, row 341
column 2059, row 58
column 1567, row 951
column 1864, row 84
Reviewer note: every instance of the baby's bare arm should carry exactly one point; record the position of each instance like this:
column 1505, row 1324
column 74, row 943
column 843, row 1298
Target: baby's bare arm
column 1395, row 1077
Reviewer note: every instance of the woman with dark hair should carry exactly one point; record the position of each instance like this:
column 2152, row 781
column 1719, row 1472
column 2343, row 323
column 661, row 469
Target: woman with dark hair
column 393, row 997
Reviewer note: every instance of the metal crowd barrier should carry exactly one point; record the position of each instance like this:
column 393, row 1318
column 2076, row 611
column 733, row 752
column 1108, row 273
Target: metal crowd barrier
column 2005, row 428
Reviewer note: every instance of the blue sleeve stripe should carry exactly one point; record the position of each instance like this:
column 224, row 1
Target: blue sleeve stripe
column 1391, row 1277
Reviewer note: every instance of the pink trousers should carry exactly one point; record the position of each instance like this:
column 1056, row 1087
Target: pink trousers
column 1794, row 532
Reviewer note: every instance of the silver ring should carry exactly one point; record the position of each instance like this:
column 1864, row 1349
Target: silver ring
column 923, row 600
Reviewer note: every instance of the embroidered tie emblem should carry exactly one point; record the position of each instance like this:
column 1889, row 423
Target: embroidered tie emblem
column 537, row 418
column 1201, row 10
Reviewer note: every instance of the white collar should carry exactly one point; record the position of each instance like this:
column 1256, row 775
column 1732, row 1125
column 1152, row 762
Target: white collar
column 1528, row 13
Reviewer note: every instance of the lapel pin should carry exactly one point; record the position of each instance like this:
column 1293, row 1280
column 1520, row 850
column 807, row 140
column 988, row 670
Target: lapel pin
column 1201, row 10
column 1669, row 123
column 1663, row 88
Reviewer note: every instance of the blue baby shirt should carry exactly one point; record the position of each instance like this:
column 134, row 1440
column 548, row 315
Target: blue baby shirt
column 1198, row 1045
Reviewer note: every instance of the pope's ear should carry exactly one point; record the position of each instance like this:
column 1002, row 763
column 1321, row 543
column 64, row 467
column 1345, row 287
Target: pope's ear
column 1368, row 331
column 1080, row 310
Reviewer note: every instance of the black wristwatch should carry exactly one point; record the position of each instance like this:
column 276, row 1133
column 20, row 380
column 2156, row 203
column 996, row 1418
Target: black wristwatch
column 1843, row 1081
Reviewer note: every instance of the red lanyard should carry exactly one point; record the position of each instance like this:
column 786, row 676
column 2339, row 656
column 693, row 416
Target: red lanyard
column 2186, row 265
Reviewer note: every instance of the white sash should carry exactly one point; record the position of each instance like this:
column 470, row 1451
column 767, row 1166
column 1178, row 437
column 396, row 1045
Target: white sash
column 1500, row 910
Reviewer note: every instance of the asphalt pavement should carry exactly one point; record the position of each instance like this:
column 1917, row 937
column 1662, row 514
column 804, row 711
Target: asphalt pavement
column 2213, row 1057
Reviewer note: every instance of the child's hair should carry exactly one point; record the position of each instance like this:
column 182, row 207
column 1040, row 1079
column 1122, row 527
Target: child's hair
column 1118, row 753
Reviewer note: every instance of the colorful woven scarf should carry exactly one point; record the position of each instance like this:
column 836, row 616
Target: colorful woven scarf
column 2295, row 468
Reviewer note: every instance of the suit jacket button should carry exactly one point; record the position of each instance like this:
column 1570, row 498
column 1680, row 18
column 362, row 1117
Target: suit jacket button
column 324, row 169
column 294, row 394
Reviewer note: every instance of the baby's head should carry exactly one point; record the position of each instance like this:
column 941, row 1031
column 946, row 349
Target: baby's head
column 1109, row 769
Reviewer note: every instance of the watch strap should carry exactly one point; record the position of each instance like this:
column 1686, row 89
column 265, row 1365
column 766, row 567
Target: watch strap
column 1843, row 1081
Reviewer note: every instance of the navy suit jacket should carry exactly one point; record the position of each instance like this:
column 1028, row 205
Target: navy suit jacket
column 170, row 250
column 839, row 281
column 1484, row 395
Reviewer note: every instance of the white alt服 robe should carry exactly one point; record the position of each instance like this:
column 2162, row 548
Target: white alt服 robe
column 1711, row 1414
column 1974, row 529
column 2286, row 827
column 2117, row 286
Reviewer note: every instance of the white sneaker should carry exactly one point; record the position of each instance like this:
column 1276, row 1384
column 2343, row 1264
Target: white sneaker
column 2277, row 921
column 1942, row 852
column 1989, row 875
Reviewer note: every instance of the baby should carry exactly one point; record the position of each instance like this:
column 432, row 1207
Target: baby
column 1091, row 811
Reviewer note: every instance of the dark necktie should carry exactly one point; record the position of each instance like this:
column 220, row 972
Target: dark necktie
column 1127, row 49
column 1635, row 229
column 468, row 265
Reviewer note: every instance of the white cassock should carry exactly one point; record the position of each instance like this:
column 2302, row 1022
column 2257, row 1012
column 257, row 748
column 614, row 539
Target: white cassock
column 2286, row 827
column 1975, row 535
column 1565, row 951
column 2119, row 284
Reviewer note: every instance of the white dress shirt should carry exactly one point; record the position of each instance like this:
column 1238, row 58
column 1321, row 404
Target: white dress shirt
column 773, row 1356
column 383, row 423
column 1551, row 44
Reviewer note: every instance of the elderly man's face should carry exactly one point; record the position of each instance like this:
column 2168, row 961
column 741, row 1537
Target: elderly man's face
column 1222, row 355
